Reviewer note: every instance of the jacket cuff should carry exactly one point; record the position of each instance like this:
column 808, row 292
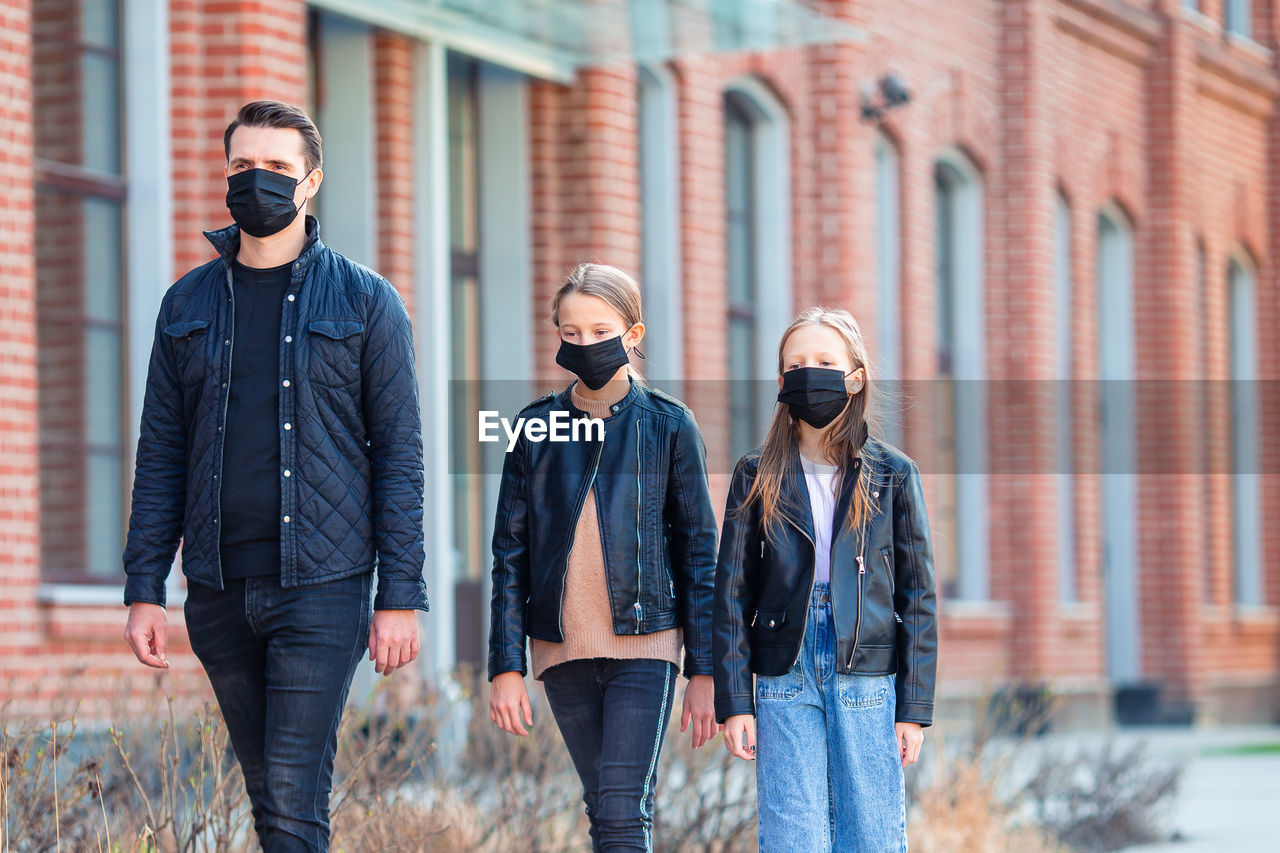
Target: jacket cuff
column 734, row 704
column 401, row 595
column 697, row 667
column 497, row 666
column 144, row 589
column 920, row 713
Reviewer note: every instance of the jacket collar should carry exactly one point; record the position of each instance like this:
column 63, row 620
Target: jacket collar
column 564, row 400
column 795, row 494
column 227, row 243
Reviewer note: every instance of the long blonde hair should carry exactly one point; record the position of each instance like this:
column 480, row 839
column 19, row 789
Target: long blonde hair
column 843, row 440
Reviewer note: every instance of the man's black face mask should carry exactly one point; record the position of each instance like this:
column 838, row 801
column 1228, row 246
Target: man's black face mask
column 261, row 201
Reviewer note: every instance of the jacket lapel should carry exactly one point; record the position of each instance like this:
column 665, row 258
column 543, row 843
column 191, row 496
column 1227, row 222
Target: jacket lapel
column 795, row 499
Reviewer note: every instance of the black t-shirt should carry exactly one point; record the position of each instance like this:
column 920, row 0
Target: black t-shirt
column 250, row 536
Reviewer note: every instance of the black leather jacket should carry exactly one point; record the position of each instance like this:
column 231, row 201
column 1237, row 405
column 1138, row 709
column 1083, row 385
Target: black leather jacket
column 885, row 616
column 657, row 527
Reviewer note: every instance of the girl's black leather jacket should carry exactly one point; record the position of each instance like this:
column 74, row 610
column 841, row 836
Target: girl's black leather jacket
column 657, row 527
column 882, row 590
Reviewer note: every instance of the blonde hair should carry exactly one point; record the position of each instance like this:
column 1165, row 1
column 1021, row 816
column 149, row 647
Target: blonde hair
column 613, row 285
column 843, row 440
column 608, row 283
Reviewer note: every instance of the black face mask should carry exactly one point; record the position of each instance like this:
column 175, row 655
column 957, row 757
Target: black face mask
column 595, row 363
column 815, row 395
column 261, row 202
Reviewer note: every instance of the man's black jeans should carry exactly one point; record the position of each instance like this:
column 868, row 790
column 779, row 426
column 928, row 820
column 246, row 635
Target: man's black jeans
column 281, row 662
column 613, row 716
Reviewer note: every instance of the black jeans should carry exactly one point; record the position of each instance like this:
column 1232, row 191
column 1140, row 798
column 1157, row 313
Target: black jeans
column 613, row 716
column 281, row 663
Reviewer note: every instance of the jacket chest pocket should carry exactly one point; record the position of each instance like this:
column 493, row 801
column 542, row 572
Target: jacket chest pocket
column 189, row 341
column 334, row 360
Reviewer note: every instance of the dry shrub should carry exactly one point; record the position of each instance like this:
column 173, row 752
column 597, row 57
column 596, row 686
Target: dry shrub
column 962, row 813
column 1006, row 789
column 1104, row 799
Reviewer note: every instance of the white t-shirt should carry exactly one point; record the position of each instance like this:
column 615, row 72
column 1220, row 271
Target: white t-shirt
column 821, row 480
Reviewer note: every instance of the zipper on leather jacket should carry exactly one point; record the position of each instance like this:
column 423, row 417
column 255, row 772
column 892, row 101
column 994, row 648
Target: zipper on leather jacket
column 639, row 504
column 573, row 526
column 857, row 625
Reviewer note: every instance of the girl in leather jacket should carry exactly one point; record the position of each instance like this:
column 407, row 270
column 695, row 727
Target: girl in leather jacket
column 825, row 593
column 604, row 556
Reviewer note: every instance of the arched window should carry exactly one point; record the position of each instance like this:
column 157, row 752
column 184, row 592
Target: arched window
column 1114, row 274
column 1064, row 409
column 888, row 272
column 660, row 274
column 1245, row 515
column 962, row 564
column 758, row 244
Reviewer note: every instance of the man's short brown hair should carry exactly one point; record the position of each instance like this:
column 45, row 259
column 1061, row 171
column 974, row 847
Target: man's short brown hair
column 279, row 114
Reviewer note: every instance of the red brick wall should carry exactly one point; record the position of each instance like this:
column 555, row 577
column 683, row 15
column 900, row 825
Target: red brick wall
column 19, row 476
column 1116, row 103
column 394, row 78
column 225, row 54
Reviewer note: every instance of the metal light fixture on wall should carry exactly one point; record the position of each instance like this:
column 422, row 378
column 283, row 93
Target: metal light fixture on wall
column 878, row 97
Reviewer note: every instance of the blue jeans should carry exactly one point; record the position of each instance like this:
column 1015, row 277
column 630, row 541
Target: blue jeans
column 828, row 772
column 613, row 715
column 281, row 662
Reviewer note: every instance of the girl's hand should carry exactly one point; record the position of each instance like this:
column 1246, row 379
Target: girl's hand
column 910, row 739
column 699, row 706
column 740, row 736
column 509, row 703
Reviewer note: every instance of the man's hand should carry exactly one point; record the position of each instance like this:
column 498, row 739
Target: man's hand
column 393, row 639
column 910, row 738
column 148, row 634
column 509, row 703
column 699, row 706
column 740, row 736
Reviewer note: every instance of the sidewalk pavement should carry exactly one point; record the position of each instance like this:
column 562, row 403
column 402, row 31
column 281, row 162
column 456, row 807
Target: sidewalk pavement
column 1230, row 795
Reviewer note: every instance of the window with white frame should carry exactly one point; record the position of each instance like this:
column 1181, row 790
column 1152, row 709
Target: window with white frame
column 660, row 276
column 1245, row 514
column 758, row 245
column 1064, row 409
column 80, row 286
column 1238, row 17
column 961, row 410
column 888, row 276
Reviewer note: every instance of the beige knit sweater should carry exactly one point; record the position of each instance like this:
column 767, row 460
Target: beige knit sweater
column 586, row 616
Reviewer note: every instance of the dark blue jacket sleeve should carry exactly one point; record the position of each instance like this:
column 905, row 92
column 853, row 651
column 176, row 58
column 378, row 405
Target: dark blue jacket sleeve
column 393, row 420
column 691, row 524
column 159, row 478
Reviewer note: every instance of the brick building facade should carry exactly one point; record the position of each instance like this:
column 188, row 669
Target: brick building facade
column 1076, row 190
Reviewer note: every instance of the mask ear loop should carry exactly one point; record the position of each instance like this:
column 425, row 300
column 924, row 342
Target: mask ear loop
column 861, row 385
column 636, row 349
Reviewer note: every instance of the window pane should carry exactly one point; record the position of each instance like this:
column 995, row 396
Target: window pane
column 99, row 21
column 76, row 82
column 81, row 383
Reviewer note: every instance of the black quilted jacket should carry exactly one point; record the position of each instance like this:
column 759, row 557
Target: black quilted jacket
column 350, row 431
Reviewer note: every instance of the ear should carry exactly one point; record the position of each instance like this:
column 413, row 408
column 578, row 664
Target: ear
column 855, row 381
column 312, row 184
column 634, row 335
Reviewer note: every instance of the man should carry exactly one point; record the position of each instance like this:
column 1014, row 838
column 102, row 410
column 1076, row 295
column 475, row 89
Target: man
column 281, row 441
